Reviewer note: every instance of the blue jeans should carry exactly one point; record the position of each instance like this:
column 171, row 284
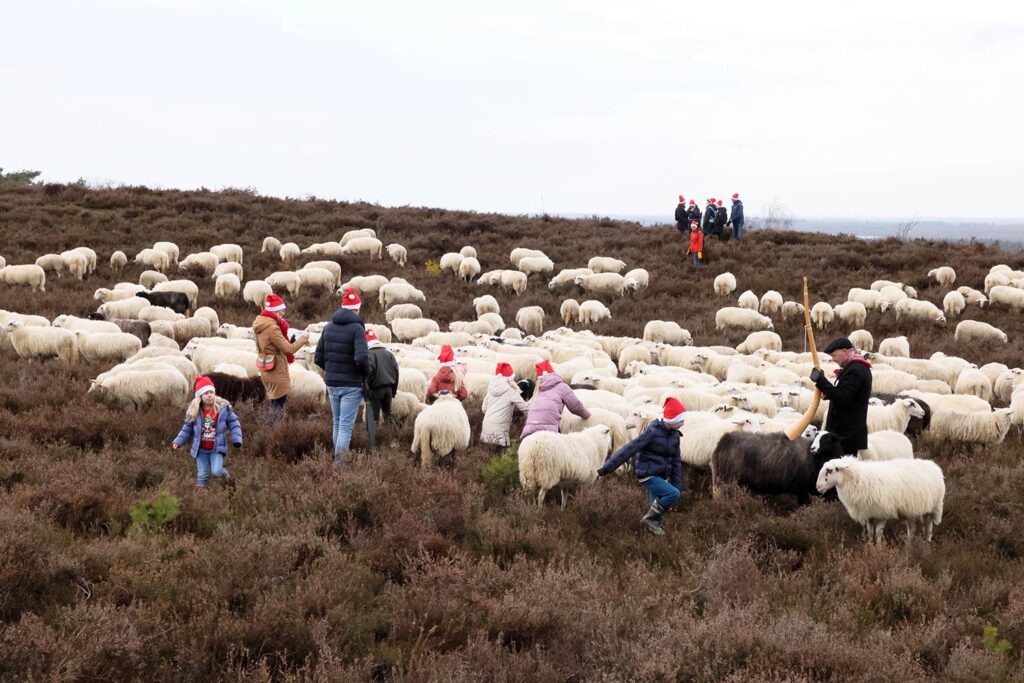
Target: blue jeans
column 344, row 404
column 696, row 261
column 737, row 230
column 209, row 462
column 662, row 491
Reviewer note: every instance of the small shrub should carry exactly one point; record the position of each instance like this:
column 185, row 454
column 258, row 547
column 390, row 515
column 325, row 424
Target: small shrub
column 432, row 268
column 156, row 513
column 501, row 473
column 993, row 643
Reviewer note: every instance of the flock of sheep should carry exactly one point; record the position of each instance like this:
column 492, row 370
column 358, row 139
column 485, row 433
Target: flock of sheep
column 740, row 399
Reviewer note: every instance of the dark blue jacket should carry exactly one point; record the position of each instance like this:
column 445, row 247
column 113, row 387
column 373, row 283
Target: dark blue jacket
column 737, row 214
column 656, row 452
column 709, row 217
column 341, row 351
column 227, row 421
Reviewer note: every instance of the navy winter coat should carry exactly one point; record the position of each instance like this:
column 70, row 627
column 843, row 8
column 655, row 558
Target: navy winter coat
column 709, row 218
column 656, row 452
column 737, row 214
column 341, row 351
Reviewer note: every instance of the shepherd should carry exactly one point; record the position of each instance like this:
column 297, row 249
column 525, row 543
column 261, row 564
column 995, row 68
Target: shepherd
column 848, row 397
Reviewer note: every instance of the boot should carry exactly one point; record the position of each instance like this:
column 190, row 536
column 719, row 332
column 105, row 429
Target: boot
column 654, row 519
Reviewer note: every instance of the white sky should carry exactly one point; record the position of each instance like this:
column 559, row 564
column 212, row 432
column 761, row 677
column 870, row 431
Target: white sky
column 839, row 109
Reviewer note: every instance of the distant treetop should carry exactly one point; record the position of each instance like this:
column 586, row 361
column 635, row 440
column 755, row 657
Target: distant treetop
column 19, row 177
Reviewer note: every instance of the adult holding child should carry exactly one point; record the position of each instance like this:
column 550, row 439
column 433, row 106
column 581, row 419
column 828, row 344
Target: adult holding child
column 275, row 351
column 341, row 352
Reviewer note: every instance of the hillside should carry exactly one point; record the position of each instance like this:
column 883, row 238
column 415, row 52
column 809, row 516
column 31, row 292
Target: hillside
column 387, row 572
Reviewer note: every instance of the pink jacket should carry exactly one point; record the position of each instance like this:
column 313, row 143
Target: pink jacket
column 546, row 407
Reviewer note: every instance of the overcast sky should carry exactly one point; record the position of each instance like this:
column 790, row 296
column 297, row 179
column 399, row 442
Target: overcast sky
column 864, row 109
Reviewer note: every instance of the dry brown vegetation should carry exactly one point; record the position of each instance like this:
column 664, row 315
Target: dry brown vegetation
column 387, row 572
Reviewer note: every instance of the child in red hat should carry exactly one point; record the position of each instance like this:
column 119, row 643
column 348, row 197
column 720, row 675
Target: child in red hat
column 502, row 400
column 696, row 244
column 209, row 422
column 658, row 465
column 449, row 377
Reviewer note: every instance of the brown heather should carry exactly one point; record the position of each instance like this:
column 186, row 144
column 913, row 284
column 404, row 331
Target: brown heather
column 387, row 572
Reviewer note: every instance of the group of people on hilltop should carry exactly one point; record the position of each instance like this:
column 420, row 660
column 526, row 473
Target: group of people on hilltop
column 714, row 220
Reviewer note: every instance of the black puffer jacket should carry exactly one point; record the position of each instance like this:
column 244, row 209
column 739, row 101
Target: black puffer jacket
column 848, row 405
column 341, row 351
column 382, row 370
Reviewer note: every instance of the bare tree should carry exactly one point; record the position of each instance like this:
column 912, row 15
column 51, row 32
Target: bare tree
column 904, row 229
column 775, row 216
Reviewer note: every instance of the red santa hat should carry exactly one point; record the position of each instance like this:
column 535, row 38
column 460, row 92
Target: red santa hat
column 447, row 357
column 544, row 368
column 693, row 203
column 350, row 300
column 682, row 199
column 505, row 370
column 203, row 384
column 371, row 339
column 693, row 224
column 674, row 411
column 719, row 202
column 711, row 200
column 736, row 196
column 273, row 303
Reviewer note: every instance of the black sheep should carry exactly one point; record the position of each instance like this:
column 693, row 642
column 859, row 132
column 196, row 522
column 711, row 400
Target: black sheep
column 176, row 301
column 772, row 464
column 916, row 424
column 235, row 389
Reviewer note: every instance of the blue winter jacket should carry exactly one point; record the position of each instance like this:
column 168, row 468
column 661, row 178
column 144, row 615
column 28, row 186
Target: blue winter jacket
column 709, row 218
column 226, row 421
column 656, row 452
column 737, row 214
column 341, row 351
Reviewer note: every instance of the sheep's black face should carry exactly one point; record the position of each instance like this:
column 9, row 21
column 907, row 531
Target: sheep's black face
column 826, row 446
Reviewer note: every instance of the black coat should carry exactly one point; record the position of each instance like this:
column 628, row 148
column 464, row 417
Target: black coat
column 848, row 405
column 381, row 370
column 341, row 351
column 694, row 214
column 657, row 455
column 681, row 216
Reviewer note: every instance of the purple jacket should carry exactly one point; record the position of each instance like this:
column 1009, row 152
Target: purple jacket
column 546, row 407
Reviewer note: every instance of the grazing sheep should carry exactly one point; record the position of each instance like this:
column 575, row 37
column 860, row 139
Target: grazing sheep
column 771, row 302
column 285, row 280
column 513, row 280
column 229, row 285
column 75, row 263
column 159, row 341
column 186, row 287
column 227, row 267
column 1006, row 383
column 748, row 300
column 24, row 276
column 592, row 311
column 550, row 459
column 153, row 313
column 944, row 275
column 271, row 245
column 118, row 261
column 822, row 314
column 323, row 249
column 634, row 352
column 519, row 253
column 229, row 331
column 330, row 266
column 70, row 322
column 879, row 285
column 228, row 252
column 605, row 264
column 602, row 283
column 471, row 327
column 155, row 385
column 568, row 276
column 636, row 280
column 450, row 261
column 869, row 298
column 896, row 347
column 852, row 313
column 103, row 295
column 256, row 292
column 760, row 340
column 363, row 245
column 30, row 341
column 407, row 329
column 732, row 318
column 666, row 332
column 974, row 331
column 177, row 302
column 971, row 427
column 154, row 258
column 316, row 279
column 569, row 310
column 116, row 347
column 887, row 444
column 151, row 278
column 919, row 309
column 995, row 280
column 486, row 304
column 792, row 309
column 875, row 492
column 953, row 304
column 973, row 296
column 530, row 320
column 203, row 263
column 440, row 429
column 895, row 416
column 359, row 232
column 974, row 382
column 139, row 328
column 288, row 252
column 126, row 308
column 52, row 263
column 399, row 293
column 468, row 252
column 893, row 295
column 862, row 340
column 725, row 284
column 1005, row 294
column 403, row 311
column 398, row 254
column 771, row 463
column 469, row 268
column 535, row 264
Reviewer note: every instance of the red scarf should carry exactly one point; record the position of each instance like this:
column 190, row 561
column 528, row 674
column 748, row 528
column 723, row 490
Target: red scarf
column 281, row 323
column 855, row 357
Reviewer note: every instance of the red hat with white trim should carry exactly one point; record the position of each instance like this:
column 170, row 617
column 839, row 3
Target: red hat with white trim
column 719, row 202
column 711, row 199
column 693, row 224
column 274, row 303
column 447, row 357
column 505, row 370
column 544, row 368
column 693, row 203
column 371, row 338
column 351, row 300
column 203, row 385
column 682, row 199
column 736, row 196
column 674, row 411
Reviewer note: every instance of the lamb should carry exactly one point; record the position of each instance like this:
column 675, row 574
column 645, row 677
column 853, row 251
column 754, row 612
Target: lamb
column 895, row 416
column 875, row 492
column 953, row 304
column 760, row 340
column 792, row 309
column 228, row 252
column 592, row 311
column 549, row 459
column 229, row 331
column 106, row 347
column 398, row 254
column 973, row 296
column 974, row 382
column 569, row 310
column 52, row 263
column 148, row 279
column 520, row 253
column 971, row 427
column 70, row 322
column 513, row 280
column 666, row 332
column 154, row 258
column 271, row 245
column 605, row 264
column 725, row 284
column 316, row 279
column 24, row 276
column 256, row 292
column 30, row 341
column 407, row 329
column 897, row 347
column 469, row 268
column 160, row 385
column 440, row 429
column 228, row 285
column 887, row 444
column 227, row 267
column 288, row 252
column 602, row 283
column 126, row 308
column 636, row 280
column 852, row 313
column 286, row 280
column 919, row 309
column 748, row 300
column 974, row 331
column 531, row 319
column 175, row 301
column 1004, row 294
column 399, row 293
column 153, row 313
column 204, row 263
column 732, row 318
column 363, row 245
column 536, row 264
column 862, row 340
column 186, row 287
column 403, row 311
column 822, row 314
column 486, row 304
column 771, row 463
column 771, row 302
column 568, row 276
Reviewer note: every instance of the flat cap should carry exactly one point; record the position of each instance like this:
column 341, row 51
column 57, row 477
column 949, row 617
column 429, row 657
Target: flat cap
column 839, row 343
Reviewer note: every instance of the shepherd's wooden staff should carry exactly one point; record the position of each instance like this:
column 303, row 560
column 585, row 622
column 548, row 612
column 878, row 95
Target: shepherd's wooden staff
column 798, row 427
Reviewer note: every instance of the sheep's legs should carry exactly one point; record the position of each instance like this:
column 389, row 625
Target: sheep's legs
column 565, row 497
column 928, row 527
column 910, row 524
column 541, row 494
column 879, row 531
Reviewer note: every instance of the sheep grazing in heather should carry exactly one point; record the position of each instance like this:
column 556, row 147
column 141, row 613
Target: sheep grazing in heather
column 851, row 313
column 226, row 267
column 519, row 253
column 792, row 309
column 569, row 310
column 862, row 340
column 771, row 463
column 973, row 296
column 1007, row 382
column 323, row 249
column 154, row 258
column 271, row 245
column 354, row 234
column 202, row 263
column 107, row 347
column 450, row 261
column 175, row 301
column 52, row 263
column 945, row 275
column 895, row 416
column 284, row 281
column 398, row 293
column 974, row 382
column 636, row 280
column 760, row 340
column 469, row 269
column 995, row 280
column 228, row 252
column 953, row 304
column 822, row 314
column 602, row 283
column 875, row 492
column 887, row 444
column 771, row 302
column 24, row 276
column 896, row 347
column 316, row 279
column 535, row 264
column 186, row 287
column 530, row 319
column 919, row 309
column 748, row 300
column 407, row 329
column 363, row 245
column 725, row 284
column 153, row 385
column 974, row 331
column 440, row 429
column 514, row 281
column 118, row 261
column 593, row 311
column 742, row 319
column 1006, row 295
column 403, row 311
column 606, row 264
column 30, row 341
column 550, row 459
column 148, row 279
column 398, row 254
column 486, row 304
column 256, row 292
column 568, row 276
column 666, row 332
column 288, row 252
column 969, row 427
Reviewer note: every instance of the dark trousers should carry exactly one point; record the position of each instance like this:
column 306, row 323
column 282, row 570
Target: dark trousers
column 379, row 400
column 277, row 408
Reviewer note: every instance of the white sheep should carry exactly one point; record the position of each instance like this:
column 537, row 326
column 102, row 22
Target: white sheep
column 792, row 309
column 288, row 252
column 894, row 416
column 204, row 263
column 869, row 298
column 513, row 280
column 307, row 384
column 953, row 304
column 52, row 263
column 403, row 311
column 229, row 331
column 535, row 264
column 256, row 292
column 159, row 341
column 486, row 304
column 636, row 280
column 530, row 319
column 151, row 278
column 995, row 280
column 1004, row 387
column 593, row 311
column 887, row 444
column 230, row 369
column 896, row 347
column 760, row 340
column 30, row 341
column 879, row 285
column 271, row 245
column 973, row 296
column 700, row 437
column 450, row 261
column 70, row 322
column 862, row 340
column 398, row 254
column 161, row 385
column 550, row 459
column 468, row 252
column 974, row 382
column 333, row 267
column 748, row 300
column 852, row 313
column 154, row 258
column 606, row 264
column 733, row 318
column 171, row 249
column 666, row 332
column 229, row 285
column 75, row 263
column 186, row 287
column 363, row 245
column 227, row 267
column 228, row 252
column 875, row 492
column 3, row 262
column 569, row 310
column 440, row 429
column 944, row 275
column 118, row 261
column 1007, row 295
column 974, row 331
column 822, row 314
column 919, row 309
column 469, row 268
column 126, row 308
column 771, row 302
column 152, row 313
column 634, row 352
column 359, row 232
column 316, row 279
column 893, row 295
column 602, row 283
column 567, row 276
column 324, row 249
column 520, row 253
column 407, row 329
column 24, row 276
column 285, row 280
column 725, row 284
column 399, row 293
column 107, row 347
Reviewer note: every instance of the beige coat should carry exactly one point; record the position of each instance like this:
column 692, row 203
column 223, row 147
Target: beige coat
column 502, row 399
column 270, row 340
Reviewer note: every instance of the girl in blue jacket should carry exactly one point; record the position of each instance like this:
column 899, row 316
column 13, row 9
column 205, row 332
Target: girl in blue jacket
column 209, row 421
column 658, row 464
